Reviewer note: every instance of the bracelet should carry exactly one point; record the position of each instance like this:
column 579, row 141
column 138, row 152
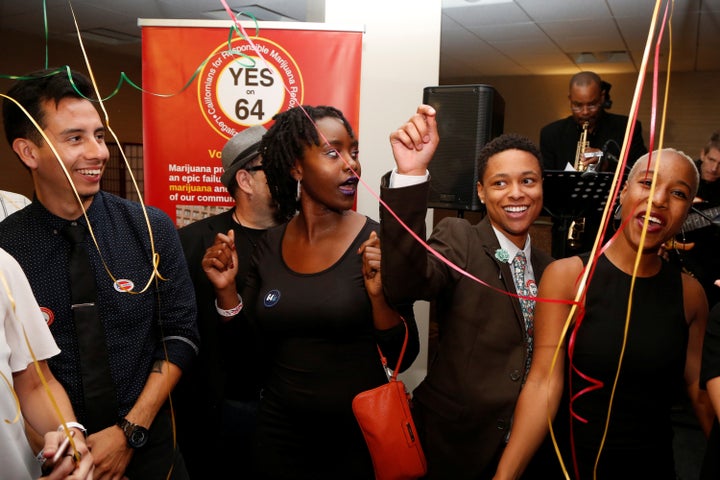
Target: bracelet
column 233, row 311
column 77, row 425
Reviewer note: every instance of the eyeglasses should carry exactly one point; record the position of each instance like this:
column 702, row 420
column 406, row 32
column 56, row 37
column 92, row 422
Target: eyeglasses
column 254, row 168
column 578, row 107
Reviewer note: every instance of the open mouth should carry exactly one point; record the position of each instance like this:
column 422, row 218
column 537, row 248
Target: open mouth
column 349, row 186
column 655, row 223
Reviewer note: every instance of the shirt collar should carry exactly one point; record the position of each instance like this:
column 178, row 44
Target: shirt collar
column 41, row 212
column 509, row 246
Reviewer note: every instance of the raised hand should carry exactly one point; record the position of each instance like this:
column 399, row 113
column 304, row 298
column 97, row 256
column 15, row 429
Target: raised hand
column 414, row 143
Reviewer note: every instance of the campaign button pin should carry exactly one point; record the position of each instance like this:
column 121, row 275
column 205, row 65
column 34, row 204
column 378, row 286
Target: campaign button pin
column 48, row 315
column 123, row 285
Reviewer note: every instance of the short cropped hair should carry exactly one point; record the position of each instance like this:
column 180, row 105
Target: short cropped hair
column 713, row 142
column 585, row 78
column 642, row 163
column 507, row 141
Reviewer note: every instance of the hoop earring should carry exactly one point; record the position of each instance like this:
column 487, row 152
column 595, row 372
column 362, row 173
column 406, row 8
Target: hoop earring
column 616, row 217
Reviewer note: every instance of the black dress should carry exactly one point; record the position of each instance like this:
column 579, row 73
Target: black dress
column 321, row 347
column 711, row 369
column 639, row 437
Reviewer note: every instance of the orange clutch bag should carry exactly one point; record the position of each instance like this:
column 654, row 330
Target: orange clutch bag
column 386, row 422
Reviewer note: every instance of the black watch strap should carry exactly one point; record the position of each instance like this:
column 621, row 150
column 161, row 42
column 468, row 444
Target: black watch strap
column 136, row 435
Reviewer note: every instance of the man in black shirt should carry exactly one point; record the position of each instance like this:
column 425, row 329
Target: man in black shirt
column 589, row 96
column 141, row 296
column 696, row 247
column 223, row 387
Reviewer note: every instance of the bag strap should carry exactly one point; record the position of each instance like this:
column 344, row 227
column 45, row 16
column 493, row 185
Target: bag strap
column 400, row 357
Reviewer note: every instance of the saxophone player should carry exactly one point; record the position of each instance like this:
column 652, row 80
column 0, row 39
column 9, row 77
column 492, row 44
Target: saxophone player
column 589, row 98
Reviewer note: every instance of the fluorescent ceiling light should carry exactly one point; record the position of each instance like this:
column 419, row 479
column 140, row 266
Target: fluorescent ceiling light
column 471, row 3
column 615, row 56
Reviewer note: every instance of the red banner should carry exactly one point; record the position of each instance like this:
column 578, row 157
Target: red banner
column 201, row 87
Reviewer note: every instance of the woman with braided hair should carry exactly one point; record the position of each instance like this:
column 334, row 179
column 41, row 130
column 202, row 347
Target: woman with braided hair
column 314, row 294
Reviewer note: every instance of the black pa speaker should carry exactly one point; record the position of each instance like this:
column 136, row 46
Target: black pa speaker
column 468, row 117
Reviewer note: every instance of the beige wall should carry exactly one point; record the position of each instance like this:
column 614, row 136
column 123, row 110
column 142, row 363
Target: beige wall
column 23, row 54
column 387, row 98
column 693, row 104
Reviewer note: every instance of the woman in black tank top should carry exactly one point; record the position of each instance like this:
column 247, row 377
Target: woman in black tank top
column 633, row 341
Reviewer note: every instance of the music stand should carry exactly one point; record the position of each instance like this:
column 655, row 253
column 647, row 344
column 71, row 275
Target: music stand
column 569, row 195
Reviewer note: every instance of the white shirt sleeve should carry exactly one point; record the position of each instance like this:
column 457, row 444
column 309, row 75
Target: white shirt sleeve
column 21, row 316
column 398, row 180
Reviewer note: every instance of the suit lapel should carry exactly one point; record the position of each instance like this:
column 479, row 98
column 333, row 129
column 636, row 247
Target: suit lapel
column 490, row 245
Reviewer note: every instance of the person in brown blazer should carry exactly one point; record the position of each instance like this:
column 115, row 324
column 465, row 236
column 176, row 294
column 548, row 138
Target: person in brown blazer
column 464, row 406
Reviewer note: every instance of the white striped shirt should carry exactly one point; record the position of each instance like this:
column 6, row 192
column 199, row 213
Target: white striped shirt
column 11, row 202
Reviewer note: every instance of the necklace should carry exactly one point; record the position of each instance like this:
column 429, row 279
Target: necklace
column 243, row 229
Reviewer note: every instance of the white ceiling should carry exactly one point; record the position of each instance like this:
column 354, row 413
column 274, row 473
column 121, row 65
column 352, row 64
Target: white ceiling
column 479, row 37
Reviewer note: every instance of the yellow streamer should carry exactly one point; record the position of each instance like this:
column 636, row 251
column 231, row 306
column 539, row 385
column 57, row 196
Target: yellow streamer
column 155, row 255
column 643, row 235
column 582, row 287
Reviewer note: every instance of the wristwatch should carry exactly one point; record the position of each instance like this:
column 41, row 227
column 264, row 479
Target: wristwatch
column 136, row 435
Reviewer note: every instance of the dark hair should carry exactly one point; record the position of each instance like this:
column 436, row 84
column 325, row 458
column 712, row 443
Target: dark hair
column 284, row 143
column 605, row 88
column 31, row 91
column 713, row 142
column 507, row 141
column 233, row 186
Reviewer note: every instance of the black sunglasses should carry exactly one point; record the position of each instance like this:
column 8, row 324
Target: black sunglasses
column 253, row 169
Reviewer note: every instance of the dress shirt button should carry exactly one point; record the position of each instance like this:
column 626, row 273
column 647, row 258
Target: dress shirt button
column 515, row 375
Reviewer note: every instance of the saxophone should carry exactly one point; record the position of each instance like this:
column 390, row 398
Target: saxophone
column 575, row 232
column 577, row 227
column 582, row 145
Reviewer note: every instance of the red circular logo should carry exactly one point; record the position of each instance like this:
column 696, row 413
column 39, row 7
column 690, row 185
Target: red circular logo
column 248, row 84
column 123, row 285
column 48, row 315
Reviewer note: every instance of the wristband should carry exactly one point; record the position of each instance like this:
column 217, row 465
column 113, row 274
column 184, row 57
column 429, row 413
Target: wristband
column 233, row 311
column 77, row 425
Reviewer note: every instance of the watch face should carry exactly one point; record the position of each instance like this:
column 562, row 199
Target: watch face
column 138, row 437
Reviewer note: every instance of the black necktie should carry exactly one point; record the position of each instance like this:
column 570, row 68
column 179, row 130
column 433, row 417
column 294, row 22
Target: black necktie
column 98, row 386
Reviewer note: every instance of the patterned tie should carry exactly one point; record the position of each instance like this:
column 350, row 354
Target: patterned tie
column 525, row 288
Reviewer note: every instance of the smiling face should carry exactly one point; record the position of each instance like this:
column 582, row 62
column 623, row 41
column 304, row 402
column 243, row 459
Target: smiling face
column 74, row 128
column 511, row 189
column 674, row 190
column 326, row 178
